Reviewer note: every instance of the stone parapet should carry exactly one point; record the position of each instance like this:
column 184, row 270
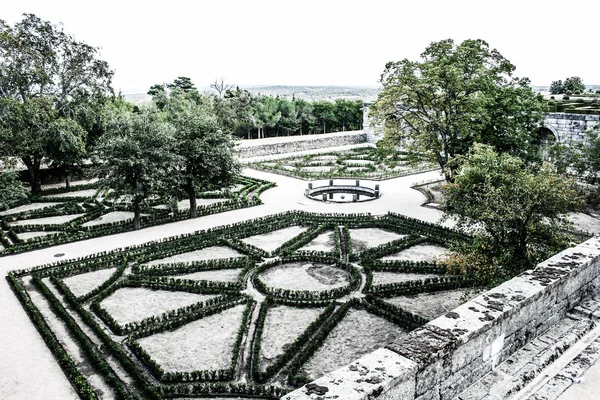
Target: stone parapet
column 447, row 355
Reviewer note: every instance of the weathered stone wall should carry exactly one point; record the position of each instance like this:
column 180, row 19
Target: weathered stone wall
column 265, row 147
column 570, row 127
column 444, row 357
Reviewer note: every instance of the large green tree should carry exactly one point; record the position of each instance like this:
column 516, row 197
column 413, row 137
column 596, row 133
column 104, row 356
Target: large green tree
column 45, row 70
column 205, row 145
column 136, row 157
column 11, row 189
column 455, row 96
column 515, row 212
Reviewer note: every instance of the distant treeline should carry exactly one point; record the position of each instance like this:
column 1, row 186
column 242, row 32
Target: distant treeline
column 251, row 116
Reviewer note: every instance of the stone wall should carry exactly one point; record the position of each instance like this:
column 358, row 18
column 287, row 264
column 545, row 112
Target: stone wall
column 570, row 127
column 265, row 147
column 444, row 357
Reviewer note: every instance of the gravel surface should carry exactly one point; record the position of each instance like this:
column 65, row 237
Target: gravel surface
column 79, row 193
column 114, row 216
column 420, row 252
column 205, row 344
column 357, row 334
column 305, row 276
column 27, row 207
column 84, row 283
column 431, row 305
column 208, row 253
column 134, row 304
column 31, row 235
column 365, row 238
column 324, row 242
column 282, row 326
column 60, row 219
column 219, row 275
column 389, row 277
column 271, row 241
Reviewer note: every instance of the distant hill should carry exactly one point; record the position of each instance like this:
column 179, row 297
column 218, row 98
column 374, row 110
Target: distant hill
column 310, row 93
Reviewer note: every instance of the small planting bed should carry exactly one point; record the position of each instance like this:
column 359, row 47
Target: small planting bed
column 431, row 305
column 82, row 284
column 324, row 242
column 208, row 253
column 421, row 252
column 305, row 276
column 389, row 277
column 128, row 305
column 365, row 238
column 273, row 240
column 57, row 220
column 219, row 275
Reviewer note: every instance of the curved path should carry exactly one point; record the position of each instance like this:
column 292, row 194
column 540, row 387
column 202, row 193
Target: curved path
column 27, row 368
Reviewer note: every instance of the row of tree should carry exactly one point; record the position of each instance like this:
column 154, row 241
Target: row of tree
column 571, row 85
column 258, row 116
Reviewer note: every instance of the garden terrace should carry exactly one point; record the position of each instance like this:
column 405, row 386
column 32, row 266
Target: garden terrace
column 128, row 322
column 63, row 215
column 360, row 162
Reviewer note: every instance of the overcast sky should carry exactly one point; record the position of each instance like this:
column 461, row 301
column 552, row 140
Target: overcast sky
column 322, row 42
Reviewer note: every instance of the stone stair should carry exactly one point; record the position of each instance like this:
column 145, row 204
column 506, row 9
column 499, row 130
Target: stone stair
column 509, row 379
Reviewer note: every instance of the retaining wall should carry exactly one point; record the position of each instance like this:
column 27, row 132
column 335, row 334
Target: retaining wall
column 447, row 355
column 269, row 146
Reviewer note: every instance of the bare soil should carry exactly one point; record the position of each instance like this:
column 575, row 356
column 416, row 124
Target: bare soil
column 84, row 283
column 357, row 334
column 31, row 235
column 420, row 252
column 27, row 207
column 115, row 216
column 220, row 275
column 282, row 326
column 431, row 305
column 273, row 240
column 324, row 242
column 365, row 238
column 305, row 276
column 134, row 304
column 390, row 277
column 205, row 344
column 60, row 219
column 208, row 253
column 79, row 193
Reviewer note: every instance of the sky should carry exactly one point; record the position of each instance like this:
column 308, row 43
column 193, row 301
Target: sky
column 316, row 43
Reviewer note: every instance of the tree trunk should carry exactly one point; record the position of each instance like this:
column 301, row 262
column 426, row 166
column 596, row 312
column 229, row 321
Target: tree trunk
column 137, row 214
column 35, row 178
column 324, row 129
column 189, row 188
column 67, row 178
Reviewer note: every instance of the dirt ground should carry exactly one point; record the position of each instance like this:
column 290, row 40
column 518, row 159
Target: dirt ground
column 208, row 253
column 272, row 240
column 305, row 276
column 365, row 238
column 324, row 242
column 82, row 284
column 357, row 334
column 134, row 304
column 282, row 326
column 60, row 219
column 31, row 235
column 200, row 345
column 219, row 275
column 432, row 305
column 420, row 252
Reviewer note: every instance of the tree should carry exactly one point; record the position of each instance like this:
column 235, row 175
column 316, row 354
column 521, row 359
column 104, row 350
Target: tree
column 573, row 84
column 45, row 70
column 267, row 114
column 306, row 116
column 204, row 145
column 136, row 157
column 11, row 190
column 324, row 112
column 556, row 87
column 457, row 95
column 221, row 87
column 515, row 212
column 290, row 121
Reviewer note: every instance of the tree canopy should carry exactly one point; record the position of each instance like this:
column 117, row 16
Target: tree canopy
column 573, row 84
column 456, row 96
column 515, row 212
column 49, row 84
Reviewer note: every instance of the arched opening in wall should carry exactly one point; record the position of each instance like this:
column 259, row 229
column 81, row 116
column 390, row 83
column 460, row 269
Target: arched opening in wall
column 545, row 139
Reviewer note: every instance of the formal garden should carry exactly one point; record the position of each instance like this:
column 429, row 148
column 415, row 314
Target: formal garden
column 253, row 309
column 360, row 162
column 87, row 209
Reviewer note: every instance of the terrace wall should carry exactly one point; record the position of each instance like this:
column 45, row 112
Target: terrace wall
column 447, row 355
column 269, row 146
column 570, row 127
